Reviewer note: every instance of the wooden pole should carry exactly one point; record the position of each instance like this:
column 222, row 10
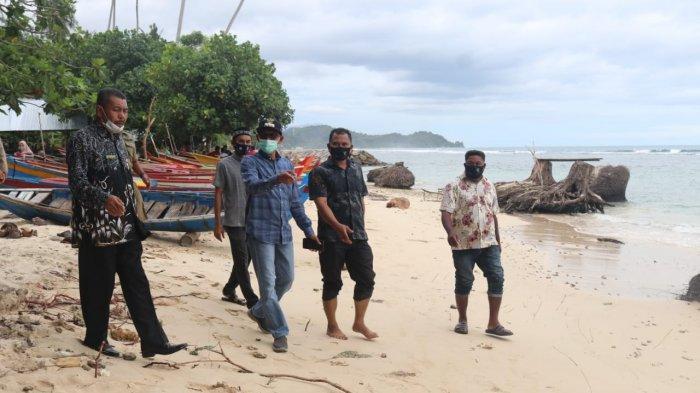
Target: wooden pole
column 235, row 14
column 179, row 21
column 3, row 159
column 111, row 11
column 41, row 134
column 154, row 146
column 138, row 27
column 170, row 138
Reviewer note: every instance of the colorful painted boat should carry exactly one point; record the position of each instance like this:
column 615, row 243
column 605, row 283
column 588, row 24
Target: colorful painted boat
column 166, row 211
column 204, row 160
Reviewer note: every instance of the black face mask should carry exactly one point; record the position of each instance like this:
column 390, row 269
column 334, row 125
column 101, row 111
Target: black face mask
column 241, row 149
column 474, row 172
column 339, row 153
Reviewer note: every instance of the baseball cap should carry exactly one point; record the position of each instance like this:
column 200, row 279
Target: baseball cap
column 270, row 124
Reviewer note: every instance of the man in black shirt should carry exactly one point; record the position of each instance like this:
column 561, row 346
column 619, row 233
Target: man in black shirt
column 107, row 231
column 337, row 187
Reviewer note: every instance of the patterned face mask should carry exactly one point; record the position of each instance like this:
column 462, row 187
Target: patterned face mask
column 474, row 172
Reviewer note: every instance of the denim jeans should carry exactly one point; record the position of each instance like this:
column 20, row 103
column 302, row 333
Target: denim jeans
column 489, row 261
column 274, row 267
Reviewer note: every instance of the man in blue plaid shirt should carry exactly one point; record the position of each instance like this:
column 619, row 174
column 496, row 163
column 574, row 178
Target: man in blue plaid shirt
column 273, row 201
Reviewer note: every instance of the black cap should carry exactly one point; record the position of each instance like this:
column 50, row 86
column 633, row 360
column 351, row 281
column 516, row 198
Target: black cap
column 267, row 123
column 237, row 133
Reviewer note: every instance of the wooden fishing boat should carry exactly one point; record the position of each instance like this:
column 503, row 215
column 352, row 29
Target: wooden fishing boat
column 204, row 160
column 166, row 211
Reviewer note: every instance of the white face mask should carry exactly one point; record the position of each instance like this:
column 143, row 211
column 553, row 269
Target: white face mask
column 113, row 128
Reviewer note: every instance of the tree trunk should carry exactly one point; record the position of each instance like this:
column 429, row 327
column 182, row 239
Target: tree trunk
column 571, row 195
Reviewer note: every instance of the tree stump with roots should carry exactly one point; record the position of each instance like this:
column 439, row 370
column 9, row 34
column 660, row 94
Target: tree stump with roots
column 542, row 194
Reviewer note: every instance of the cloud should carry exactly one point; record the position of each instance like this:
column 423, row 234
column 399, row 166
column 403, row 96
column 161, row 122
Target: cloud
column 541, row 68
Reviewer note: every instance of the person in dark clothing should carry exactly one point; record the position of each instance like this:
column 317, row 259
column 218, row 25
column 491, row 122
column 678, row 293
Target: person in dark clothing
column 229, row 192
column 337, row 187
column 107, row 231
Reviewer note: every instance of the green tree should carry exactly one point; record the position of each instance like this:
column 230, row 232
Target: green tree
column 125, row 54
column 215, row 86
column 36, row 40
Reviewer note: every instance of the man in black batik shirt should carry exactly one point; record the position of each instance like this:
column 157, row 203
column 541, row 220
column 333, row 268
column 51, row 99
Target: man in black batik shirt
column 338, row 187
column 107, row 231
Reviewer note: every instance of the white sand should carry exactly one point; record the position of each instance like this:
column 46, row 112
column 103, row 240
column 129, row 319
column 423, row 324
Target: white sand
column 566, row 340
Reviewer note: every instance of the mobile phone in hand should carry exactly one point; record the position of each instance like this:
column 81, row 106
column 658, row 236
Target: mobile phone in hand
column 309, row 244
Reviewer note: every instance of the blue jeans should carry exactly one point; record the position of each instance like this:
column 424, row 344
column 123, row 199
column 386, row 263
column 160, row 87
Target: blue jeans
column 274, row 267
column 489, row 261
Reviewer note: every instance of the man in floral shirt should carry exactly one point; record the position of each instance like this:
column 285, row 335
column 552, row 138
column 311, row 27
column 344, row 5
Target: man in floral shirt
column 469, row 208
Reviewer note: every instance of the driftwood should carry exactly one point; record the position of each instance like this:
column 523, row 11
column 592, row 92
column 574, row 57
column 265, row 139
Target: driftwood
column 541, row 193
column 189, row 239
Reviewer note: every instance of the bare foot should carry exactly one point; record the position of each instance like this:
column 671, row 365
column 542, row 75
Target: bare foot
column 364, row 330
column 335, row 332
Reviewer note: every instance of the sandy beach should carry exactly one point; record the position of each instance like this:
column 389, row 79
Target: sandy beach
column 567, row 338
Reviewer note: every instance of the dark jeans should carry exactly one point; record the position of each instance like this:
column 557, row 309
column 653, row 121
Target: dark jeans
column 489, row 261
column 97, row 266
column 241, row 261
column 358, row 258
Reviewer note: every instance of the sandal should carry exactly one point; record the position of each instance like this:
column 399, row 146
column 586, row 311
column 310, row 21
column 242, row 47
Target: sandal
column 499, row 331
column 462, row 328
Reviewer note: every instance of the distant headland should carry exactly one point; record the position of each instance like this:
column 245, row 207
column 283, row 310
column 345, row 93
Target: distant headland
column 316, row 137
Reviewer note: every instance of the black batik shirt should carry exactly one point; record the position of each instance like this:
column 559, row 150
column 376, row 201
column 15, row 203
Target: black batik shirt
column 99, row 166
column 344, row 190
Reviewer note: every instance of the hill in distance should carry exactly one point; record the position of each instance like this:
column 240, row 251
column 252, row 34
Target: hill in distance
column 316, row 137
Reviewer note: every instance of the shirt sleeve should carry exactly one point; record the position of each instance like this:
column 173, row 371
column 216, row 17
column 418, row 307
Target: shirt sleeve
column 317, row 185
column 255, row 185
column 88, row 195
column 448, row 202
column 220, row 177
column 365, row 192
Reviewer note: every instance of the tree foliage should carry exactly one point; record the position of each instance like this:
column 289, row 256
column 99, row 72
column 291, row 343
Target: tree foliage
column 36, row 41
column 216, row 86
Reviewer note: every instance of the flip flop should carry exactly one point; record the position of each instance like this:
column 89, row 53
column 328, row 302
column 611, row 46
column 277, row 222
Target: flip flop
column 499, row 331
column 462, row 328
column 234, row 299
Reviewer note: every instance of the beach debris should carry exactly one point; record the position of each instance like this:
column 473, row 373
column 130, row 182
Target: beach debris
column 452, row 306
column 38, row 221
column 373, row 196
column 693, row 293
column 351, row 355
column 259, row 355
column 124, row 335
column 541, row 193
column 92, row 363
column 401, row 373
column 12, row 231
column 68, row 362
column 401, row 203
column 377, row 301
column 338, row 363
column 130, row 356
column 610, row 240
column 485, row 346
column 11, row 298
column 395, row 176
column 189, row 239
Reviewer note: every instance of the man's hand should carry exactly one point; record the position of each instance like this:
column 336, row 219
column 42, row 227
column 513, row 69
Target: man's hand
column 2, row 177
column 114, row 206
column 219, row 232
column 286, row 178
column 453, row 239
column 315, row 239
column 146, row 180
column 344, row 231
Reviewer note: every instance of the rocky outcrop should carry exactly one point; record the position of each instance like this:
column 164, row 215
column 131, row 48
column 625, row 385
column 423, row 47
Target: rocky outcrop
column 395, row 176
column 693, row 294
column 360, row 156
column 610, row 182
column 374, row 174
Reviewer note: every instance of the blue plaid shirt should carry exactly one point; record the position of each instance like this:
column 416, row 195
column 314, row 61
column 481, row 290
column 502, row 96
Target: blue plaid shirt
column 271, row 204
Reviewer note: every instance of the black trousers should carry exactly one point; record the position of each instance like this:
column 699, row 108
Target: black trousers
column 358, row 258
column 97, row 267
column 240, row 276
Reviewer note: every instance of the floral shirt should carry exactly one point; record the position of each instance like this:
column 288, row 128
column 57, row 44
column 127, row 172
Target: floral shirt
column 99, row 166
column 473, row 207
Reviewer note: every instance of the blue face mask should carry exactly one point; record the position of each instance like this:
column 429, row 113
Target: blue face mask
column 267, row 145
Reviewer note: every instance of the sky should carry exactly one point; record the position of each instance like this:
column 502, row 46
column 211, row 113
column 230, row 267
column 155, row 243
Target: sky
column 485, row 72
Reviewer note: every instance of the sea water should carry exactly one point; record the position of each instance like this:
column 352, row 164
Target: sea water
column 662, row 212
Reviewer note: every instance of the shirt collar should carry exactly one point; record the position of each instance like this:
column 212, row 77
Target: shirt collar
column 266, row 156
column 331, row 164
